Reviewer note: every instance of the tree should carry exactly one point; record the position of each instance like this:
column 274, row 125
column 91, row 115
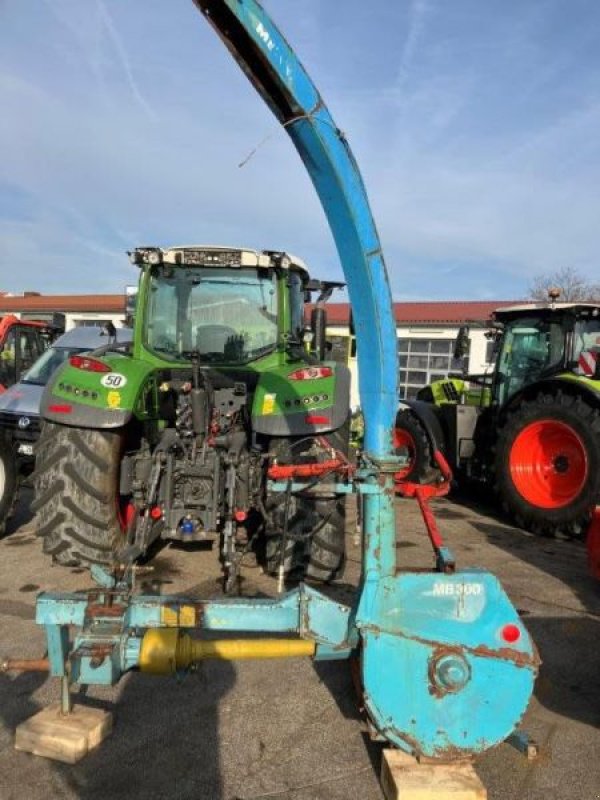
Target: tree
column 574, row 287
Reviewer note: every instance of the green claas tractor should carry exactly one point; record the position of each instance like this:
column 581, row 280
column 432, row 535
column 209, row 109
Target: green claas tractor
column 176, row 436
column 530, row 428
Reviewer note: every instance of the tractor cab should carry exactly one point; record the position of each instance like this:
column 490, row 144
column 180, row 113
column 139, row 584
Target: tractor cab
column 22, row 342
column 226, row 307
column 539, row 342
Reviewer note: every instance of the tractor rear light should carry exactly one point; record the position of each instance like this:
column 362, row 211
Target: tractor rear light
column 316, row 419
column 88, row 364
column 310, row 373
column 60, row 408
column 511, row 633
column 240, row 515
column 156, row 512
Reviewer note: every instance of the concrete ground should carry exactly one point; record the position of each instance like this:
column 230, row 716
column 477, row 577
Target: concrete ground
column 288, row 729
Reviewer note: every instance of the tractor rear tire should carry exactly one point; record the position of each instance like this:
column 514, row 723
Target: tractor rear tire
column 548, row 464
column 9, row 482
column 412, row 441
column 76, row 494
column 316, row 547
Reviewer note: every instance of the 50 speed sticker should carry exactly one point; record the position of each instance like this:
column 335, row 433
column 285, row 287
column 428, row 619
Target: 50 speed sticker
column 114, row 380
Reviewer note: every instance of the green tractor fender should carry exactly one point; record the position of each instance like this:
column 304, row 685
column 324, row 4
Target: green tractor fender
column 100, row 393
column 290, row 401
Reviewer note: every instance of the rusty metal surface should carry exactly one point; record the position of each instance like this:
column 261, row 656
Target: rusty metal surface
column 25, row 665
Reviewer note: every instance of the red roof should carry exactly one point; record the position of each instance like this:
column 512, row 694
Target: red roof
column 92, row 303
column 443, row 312
column 452, row 312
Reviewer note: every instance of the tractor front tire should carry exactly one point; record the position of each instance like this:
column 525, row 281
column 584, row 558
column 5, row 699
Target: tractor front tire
column 76, row 494
column 548, row 464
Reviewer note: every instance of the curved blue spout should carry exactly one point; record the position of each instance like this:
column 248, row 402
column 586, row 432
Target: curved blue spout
column 281, row 80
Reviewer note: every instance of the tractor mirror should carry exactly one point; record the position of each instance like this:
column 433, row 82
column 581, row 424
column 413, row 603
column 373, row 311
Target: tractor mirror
column 318, row 324
column 461, row 344
column 131, row 293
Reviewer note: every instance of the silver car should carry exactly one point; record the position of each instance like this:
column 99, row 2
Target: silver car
column 19, row 409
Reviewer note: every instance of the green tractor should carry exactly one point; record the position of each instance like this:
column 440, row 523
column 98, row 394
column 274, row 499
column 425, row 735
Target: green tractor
column 176, row 436
column 530, row 428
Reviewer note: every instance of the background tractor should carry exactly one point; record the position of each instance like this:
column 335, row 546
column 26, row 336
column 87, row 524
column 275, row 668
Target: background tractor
column 530, row 428
column 22, row 341
column 174, row 437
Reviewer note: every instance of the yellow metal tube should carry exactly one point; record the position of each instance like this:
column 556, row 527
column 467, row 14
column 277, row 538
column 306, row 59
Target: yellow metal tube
column 167, row 650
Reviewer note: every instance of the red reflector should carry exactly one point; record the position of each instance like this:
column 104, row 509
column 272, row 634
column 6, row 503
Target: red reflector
column 316, row 419
column 88, row 364
column 511, row 633
column 310, row 373
column 57, row 408
column 240, row 515
column 156, row 512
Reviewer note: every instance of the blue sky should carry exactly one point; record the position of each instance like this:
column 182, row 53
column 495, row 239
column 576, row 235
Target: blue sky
column 475, row 124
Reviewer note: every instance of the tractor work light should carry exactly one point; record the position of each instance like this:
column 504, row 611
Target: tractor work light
column 88, row 364
column 155, row 258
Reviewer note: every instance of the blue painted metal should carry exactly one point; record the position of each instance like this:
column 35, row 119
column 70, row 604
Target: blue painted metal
column 439, row 680
column 304, row 611
column 57, row 637
column 107, row 646
column 445, row 560
column 410, row 626
column 338, row 488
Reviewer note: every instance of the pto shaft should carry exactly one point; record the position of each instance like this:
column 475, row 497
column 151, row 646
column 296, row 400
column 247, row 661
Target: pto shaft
column 167, row 650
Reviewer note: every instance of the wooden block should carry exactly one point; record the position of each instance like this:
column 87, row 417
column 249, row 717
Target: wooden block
column 63, row 737
column 403, row 778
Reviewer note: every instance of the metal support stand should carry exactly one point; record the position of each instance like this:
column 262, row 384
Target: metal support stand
column 66, row 701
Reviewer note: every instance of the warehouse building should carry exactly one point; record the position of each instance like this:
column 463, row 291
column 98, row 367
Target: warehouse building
column 426, row 334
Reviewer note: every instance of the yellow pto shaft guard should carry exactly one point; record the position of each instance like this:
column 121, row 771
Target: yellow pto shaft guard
column 167, row 650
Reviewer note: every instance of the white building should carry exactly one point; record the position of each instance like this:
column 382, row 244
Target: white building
column 78, row 309
column 426, row 335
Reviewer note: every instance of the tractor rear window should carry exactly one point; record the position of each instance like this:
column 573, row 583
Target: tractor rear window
column 226, row 316
column 529, row 348
column 587, row 335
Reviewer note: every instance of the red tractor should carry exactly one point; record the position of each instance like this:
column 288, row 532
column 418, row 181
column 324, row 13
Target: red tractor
column 22, row 341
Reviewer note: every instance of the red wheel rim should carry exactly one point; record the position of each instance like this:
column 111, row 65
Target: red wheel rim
column 548, row 464
column 404, row 445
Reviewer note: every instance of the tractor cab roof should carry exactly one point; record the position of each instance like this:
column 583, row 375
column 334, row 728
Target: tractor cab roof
column 216, row 256
column 544, row 309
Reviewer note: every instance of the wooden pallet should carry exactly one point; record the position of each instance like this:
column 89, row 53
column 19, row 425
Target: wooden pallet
column 404, row 778
column 63, row 737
